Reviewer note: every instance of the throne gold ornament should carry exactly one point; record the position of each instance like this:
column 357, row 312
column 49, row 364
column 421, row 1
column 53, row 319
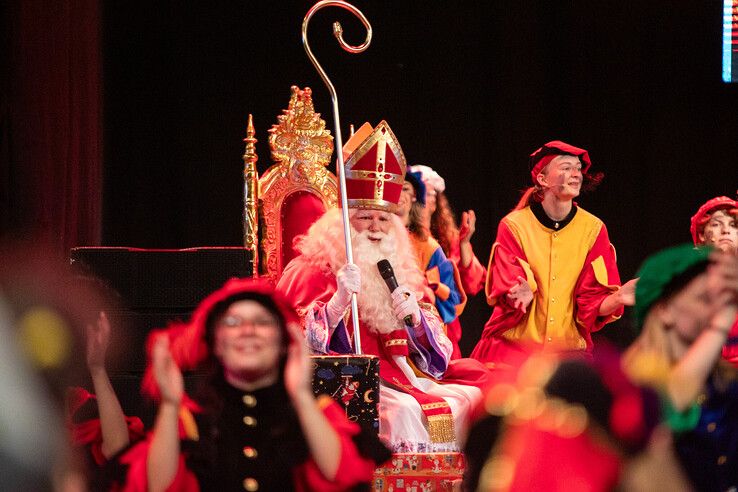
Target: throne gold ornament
column 294, row 192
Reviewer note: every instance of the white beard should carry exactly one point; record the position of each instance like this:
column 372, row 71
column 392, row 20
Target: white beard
column 374, row 299
column 323, row 248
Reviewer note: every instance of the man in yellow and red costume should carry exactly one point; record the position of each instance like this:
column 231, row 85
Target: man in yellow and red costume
column 424, row 397
column 552, row 275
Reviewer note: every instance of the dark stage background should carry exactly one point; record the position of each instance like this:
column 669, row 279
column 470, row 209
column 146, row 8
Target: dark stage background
column 469, row 88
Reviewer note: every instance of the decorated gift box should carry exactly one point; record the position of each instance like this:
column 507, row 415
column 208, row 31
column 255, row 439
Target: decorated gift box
column 352, row 381
column 419, row 472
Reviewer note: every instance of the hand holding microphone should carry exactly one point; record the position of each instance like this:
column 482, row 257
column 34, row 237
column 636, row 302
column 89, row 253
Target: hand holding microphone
column 405, row 306
column 404, row 303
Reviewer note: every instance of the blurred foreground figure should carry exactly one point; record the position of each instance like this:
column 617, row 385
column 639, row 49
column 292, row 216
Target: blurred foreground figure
column 686, row 302
column 257, row 425
column 569, row 424
column 98, row 427
column 716, row 224
column 43, row 312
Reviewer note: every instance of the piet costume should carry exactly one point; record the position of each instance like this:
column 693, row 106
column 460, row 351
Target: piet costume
column 559, row 425
column 471, row 277
column 240, row 440
column 705, row 434
column 420, row 411
column 696, row 227
column 570, row 267
column 441, row 274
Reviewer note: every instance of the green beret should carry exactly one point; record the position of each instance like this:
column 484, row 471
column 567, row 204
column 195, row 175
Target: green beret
column 660, row 270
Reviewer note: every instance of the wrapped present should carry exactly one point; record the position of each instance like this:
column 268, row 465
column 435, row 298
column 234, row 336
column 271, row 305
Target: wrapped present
column 352, row 381
column 419, row 472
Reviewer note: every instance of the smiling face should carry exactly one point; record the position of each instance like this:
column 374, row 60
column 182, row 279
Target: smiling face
column 721, row 231
column 407, row 198
column 248, row 343
column 562, row 177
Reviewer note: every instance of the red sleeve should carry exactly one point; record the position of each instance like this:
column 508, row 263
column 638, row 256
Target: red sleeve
column 136, row 479
column 599, row 279
column 730, row 351
column 353, row 468
column 304, row 284
column 506, row 264
column 89, row 433
column 472, row 277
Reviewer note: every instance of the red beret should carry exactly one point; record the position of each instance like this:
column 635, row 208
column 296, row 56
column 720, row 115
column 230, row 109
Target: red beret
column 187, row 341
column 541, row 157
column 718, row 203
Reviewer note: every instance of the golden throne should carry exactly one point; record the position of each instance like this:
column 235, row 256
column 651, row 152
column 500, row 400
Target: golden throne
column 294, row 192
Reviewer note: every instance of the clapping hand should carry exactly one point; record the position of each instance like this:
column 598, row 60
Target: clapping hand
column 98, row 340
column 166, row 372
column 467, row 226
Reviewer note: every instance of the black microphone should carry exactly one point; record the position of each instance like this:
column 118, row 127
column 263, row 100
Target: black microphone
column 388, row 274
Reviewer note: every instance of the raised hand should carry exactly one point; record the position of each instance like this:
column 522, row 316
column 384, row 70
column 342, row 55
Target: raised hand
column 166, row 372
column 521, row 295
column 467, row 226
column 98, row 341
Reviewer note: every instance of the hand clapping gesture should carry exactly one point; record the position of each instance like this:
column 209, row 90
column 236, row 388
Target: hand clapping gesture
column 166, row 372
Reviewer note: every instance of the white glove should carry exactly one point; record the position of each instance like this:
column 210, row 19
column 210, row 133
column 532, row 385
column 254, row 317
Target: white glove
column 404, row 304
column 348, row 281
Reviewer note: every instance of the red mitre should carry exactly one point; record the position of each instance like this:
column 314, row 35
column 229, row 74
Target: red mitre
column 541, row 157
column 375, row 168
column 718, row 203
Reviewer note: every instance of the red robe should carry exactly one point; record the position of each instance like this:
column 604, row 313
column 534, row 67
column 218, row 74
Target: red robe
column 426, row 348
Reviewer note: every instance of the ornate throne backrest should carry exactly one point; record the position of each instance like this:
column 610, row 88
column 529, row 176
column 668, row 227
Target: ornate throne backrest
column 297, row 189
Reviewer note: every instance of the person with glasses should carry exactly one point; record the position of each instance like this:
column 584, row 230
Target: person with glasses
column 254, row 423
